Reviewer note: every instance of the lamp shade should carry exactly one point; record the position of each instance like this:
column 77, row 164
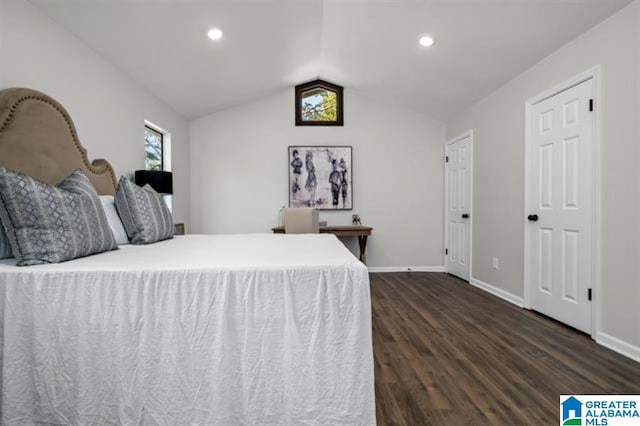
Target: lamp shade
column 160, row 181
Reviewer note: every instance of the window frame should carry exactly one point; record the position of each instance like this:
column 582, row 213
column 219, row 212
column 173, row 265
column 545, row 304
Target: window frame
column 162, row 145
column 319, row 84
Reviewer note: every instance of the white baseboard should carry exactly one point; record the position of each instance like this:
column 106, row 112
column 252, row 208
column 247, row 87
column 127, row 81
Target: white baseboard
column 378, row 269
column 617, row 345
column 516, row 300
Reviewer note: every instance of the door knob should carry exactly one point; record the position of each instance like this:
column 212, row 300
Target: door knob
column 465, row 215
column 533, row 218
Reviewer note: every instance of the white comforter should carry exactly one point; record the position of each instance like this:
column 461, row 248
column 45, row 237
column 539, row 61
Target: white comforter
column 238, row 329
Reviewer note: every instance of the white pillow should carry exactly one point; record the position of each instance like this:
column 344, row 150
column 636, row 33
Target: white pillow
column 113, row 218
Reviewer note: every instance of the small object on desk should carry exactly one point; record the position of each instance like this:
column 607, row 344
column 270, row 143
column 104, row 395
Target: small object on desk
column 359, row 231
column 179, row 229
column 355, row 219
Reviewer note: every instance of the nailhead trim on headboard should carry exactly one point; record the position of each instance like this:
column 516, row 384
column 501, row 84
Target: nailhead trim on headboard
column 98, row 167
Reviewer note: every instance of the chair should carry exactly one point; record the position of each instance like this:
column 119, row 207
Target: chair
column 301, row 221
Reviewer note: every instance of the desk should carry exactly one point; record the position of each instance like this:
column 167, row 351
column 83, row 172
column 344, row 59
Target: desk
column 361, row 232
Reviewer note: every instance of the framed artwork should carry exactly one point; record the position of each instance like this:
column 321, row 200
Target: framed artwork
column 319, row 103
column 320, row 177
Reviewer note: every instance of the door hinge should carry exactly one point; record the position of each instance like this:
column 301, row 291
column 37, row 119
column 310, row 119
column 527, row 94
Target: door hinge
column 446, row 251
column 589, row 294
column 590, row 104
column 446, row 159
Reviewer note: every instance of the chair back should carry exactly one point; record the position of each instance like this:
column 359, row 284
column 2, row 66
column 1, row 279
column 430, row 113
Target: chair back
column 301, row 221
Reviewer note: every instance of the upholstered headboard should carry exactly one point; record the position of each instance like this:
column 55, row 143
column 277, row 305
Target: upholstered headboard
column 38, row 138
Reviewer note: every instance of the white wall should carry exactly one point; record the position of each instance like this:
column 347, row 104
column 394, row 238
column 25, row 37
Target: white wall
column 107, row 107
column 499, row 125
column 239, row 173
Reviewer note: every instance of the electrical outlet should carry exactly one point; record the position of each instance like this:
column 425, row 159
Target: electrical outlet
column 496, row 263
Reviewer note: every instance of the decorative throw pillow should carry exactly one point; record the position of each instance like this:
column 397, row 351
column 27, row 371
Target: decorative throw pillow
column 51, row 224
column 108, row 203
column 5, row 247
column 144, row 213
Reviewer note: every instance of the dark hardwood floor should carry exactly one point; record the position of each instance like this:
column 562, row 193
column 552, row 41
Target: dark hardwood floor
column 449, row 353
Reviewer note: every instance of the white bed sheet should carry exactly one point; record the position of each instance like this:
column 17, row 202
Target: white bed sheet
column 237, row 329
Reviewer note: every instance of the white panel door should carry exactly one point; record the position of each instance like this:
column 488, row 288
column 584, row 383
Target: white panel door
column 560, row 164
column 458, row 200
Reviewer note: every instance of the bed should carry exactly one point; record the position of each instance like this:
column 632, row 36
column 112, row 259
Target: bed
column 200, row 329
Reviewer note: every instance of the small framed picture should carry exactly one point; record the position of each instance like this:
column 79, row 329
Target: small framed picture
column 320, row 177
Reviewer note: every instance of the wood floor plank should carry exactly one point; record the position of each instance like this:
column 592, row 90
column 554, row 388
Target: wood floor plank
column 447, row 353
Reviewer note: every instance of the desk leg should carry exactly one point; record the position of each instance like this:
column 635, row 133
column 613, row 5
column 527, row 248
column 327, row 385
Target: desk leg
column 362, row 240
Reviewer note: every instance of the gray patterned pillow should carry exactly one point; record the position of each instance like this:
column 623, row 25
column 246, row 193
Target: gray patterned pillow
column 5, row 247
column 51, row 224
column 144, row 214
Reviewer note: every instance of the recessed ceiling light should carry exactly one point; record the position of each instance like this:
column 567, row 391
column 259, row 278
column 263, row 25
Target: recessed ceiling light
column 215, row 34
column 426, row 41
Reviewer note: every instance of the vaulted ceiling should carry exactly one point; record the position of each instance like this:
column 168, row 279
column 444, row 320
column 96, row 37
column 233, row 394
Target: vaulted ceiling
column 370, row 46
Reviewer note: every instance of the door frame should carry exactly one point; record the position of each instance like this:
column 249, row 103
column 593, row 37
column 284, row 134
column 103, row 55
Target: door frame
column 595, row 75
column 467, row 134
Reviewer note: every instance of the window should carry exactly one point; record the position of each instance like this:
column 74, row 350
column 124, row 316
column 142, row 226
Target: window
column 157, row 148
column 154, row 149
column 319, row 103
